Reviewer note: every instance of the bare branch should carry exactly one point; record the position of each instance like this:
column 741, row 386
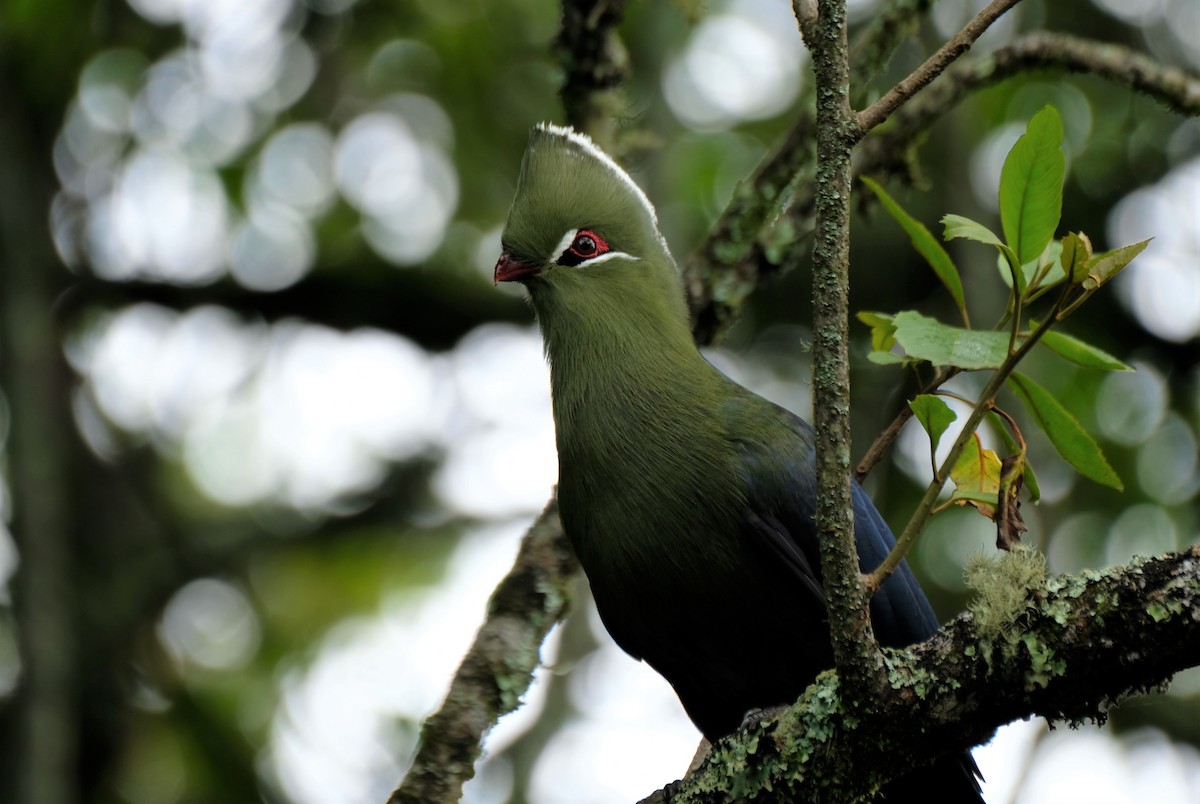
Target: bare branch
column 934, row 66
column 1177, row 89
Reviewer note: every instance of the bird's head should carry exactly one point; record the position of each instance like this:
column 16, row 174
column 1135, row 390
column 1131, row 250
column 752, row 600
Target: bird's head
column 579, row 227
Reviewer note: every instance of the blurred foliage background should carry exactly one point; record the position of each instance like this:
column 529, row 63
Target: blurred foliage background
column 270, row 433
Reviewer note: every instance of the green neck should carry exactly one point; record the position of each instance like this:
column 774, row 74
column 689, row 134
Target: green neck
column 631, row 391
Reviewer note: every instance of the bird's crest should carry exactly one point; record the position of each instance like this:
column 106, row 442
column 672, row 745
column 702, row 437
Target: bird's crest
column 588, row 149
column 568, row 184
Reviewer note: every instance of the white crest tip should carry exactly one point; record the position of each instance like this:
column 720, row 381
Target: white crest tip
column 584, row 142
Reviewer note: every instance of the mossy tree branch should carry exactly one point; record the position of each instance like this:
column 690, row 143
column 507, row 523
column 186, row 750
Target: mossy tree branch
column 1065, row 648
column 728, row 266
column 595, row 65
column 498, row 669
column 855, row 649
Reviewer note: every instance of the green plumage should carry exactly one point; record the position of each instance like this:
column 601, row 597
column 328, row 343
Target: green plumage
column 688, row 498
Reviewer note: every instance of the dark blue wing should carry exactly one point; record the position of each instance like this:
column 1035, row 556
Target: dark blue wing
column 778, row 472
column 777, row 464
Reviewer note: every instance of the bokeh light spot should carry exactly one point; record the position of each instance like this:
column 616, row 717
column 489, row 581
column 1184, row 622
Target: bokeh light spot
column 1131, row 405
column 743, row 64
column 210, row 624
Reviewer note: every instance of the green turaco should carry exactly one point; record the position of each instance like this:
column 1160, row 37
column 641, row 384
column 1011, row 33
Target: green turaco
column 688, row 499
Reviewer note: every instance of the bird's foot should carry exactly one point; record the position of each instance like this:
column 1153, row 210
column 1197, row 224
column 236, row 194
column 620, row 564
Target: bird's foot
column 755, row 716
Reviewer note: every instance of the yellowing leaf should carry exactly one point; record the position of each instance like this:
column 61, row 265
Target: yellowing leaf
column 1013, row 446
column 976, row 476
column 1009, row 522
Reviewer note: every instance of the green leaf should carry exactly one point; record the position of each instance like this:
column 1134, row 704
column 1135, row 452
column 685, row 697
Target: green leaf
column 1076, row 254
column 883, row 331
column 925, row 244
column 1104, row 267
column 1073, row 443
column 1081, row 352
column 883, row 338
column 928, row 339
column 1031, row 186
column 957, row 226
column 1012, row 447
column 934, row 415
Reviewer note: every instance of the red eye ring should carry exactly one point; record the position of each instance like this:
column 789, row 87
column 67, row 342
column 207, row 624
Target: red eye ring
column 587, row 244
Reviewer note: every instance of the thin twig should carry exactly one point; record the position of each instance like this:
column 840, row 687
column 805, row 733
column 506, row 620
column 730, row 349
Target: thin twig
column 934, row 66
column 884, row 440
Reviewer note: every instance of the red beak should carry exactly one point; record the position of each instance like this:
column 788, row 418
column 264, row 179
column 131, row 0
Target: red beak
column 509, row 269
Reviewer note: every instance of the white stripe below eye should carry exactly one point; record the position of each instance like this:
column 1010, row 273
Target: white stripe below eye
column 608, row 255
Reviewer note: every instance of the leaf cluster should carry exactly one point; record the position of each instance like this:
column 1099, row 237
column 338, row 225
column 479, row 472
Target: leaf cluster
column 1034, row 267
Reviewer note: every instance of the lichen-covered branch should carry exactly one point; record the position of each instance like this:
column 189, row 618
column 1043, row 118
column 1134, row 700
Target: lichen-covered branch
column 1066, row 648
column 1177, row 89
column 855, row 650
column 498, row 668
column 728, row 266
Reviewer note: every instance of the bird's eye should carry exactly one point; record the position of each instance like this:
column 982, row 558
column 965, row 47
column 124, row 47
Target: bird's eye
column 585, row 245
column 580, row 246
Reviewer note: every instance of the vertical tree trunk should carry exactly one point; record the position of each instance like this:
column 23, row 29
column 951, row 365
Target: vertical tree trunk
column 43, row 731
